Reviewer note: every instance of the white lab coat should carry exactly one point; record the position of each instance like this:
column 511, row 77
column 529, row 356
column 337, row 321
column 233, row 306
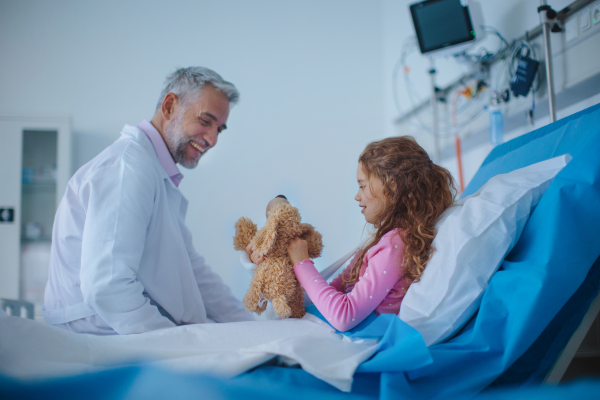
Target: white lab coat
column 121, row 247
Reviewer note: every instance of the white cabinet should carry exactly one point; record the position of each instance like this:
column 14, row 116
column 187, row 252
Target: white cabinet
column 35, row 166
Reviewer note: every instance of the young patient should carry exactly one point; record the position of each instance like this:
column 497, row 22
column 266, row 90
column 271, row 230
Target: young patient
column 402, row 193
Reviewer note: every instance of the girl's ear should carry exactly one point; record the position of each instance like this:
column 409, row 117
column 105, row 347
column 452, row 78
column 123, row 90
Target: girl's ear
column 393, row 185
column 390, row 191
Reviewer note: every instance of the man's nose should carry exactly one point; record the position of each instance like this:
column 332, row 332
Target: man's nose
column 211, row 138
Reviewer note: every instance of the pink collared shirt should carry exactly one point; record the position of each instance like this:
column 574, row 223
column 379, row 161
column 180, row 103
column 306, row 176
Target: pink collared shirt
column 164, row 156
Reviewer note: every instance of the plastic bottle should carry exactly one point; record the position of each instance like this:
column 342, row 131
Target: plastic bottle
column 496, row 123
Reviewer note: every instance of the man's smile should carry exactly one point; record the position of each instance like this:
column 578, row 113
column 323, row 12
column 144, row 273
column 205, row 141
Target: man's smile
column 201, row 149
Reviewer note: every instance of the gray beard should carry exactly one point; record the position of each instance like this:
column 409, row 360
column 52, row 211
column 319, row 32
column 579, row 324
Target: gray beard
column 177, row 143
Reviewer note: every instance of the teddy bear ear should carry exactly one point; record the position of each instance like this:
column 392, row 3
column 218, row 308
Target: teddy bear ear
column 245, row 230
column 266, row 237
column 282, row 215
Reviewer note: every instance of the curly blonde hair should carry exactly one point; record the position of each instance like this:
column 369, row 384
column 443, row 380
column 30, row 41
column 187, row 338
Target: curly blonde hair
column 415, row 193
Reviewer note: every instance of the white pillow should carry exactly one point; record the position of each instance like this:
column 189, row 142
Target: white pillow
column 473, row 237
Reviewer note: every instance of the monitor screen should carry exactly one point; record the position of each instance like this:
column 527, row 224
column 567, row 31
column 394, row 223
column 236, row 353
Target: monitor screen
column 441, row 23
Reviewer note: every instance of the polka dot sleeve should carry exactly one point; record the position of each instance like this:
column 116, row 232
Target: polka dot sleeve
column 378, row 276
column 337, row 282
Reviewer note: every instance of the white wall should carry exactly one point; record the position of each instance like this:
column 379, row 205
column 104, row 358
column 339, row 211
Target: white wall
column 315, row 82
column 309, row 73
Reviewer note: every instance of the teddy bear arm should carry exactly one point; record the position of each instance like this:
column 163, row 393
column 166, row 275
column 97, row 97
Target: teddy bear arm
column 314, row 241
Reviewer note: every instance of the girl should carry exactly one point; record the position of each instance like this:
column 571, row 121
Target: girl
column 402, row 193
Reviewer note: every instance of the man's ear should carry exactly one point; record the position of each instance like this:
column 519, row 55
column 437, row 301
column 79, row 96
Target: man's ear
column 169, row 106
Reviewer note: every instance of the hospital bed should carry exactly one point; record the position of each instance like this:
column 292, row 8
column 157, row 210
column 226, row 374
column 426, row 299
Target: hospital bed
column 525, row 321
column 17, row 308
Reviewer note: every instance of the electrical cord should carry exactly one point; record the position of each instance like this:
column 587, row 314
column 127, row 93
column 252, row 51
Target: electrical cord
column 485, row 55
column 492, row 29
column 458, row 128
column 408, row 47
column 502, row 74
column 471, row 97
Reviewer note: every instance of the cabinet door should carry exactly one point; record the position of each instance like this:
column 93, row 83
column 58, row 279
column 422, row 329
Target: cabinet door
column 11, row 151
column 31, row 185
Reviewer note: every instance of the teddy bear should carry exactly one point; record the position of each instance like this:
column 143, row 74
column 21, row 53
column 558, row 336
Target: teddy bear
column 274, row 278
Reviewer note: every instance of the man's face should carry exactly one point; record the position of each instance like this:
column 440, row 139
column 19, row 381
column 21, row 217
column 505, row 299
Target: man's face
column 191, row 132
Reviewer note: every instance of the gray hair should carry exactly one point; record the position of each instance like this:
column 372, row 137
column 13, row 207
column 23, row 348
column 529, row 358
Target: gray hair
column 187, row 83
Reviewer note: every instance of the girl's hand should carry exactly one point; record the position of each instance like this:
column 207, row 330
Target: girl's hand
column 298, row 250
column 254, row 257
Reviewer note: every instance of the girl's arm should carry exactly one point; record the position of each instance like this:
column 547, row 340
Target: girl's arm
column 338, row 281
column 345, row 311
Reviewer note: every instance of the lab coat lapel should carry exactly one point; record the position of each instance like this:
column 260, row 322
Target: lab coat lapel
column 175, row 197
column 177, row 206
column 176, row 200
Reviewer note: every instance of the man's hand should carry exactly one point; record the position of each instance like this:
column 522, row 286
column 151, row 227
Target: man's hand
column 254, row 257
column 298, row 250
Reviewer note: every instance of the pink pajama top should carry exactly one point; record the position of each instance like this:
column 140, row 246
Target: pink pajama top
column 380, row 286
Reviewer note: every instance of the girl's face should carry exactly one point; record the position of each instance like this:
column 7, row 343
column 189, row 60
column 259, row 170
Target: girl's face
column 370, row 195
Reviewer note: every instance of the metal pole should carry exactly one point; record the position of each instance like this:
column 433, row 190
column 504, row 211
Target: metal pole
column 434, row 115
column 545, row 22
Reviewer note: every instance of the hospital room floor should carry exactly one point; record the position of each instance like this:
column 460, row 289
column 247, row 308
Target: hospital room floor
column 586, row 362
column 582, row 367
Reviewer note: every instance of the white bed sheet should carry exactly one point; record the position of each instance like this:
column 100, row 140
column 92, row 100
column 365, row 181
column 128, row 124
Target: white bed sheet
column 30, row 349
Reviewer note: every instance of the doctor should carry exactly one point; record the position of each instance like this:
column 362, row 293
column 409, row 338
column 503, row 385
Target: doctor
column 122, row 257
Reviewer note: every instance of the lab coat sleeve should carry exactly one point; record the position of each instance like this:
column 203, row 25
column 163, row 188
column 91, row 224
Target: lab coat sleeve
column 220, row 304
column 119, row 200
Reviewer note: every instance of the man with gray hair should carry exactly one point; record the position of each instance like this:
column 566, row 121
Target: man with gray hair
column 122, row 258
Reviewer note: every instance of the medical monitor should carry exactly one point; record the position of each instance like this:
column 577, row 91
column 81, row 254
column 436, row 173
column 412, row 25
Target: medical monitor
column 446, row 26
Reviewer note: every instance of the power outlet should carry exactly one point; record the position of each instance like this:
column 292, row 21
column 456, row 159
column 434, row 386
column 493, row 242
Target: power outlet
column 596, row 13
column 7, row 215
